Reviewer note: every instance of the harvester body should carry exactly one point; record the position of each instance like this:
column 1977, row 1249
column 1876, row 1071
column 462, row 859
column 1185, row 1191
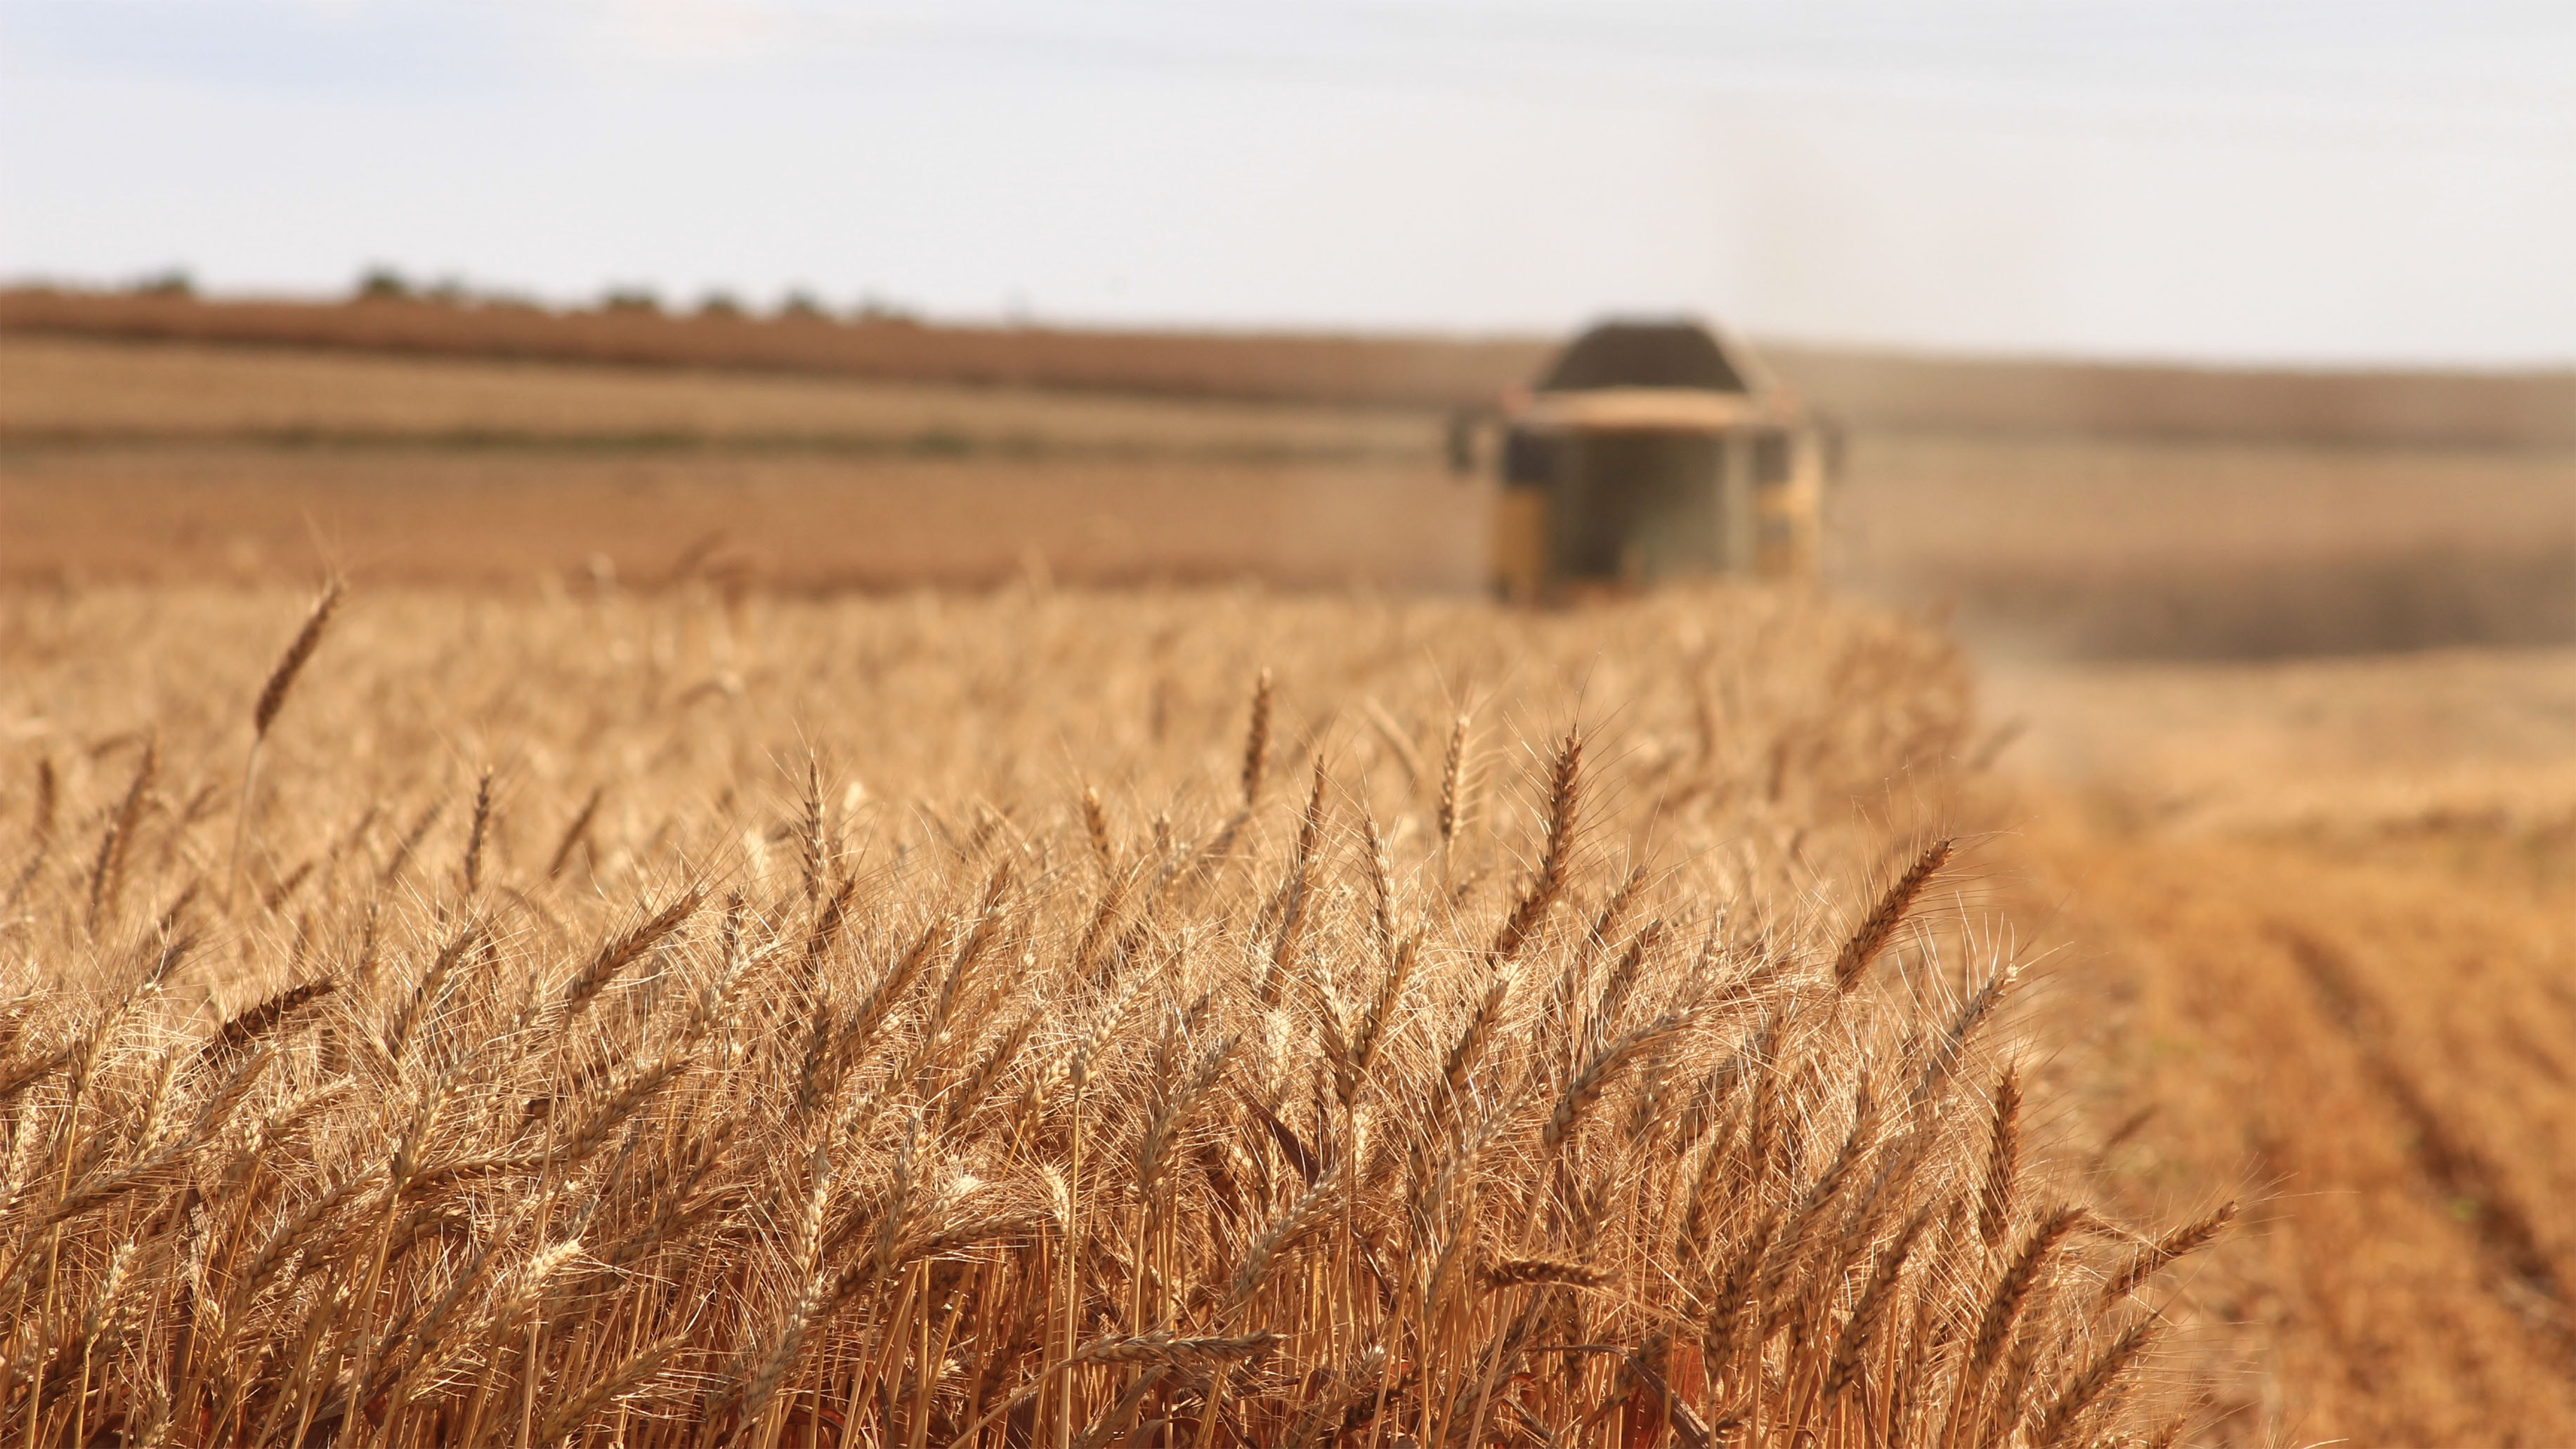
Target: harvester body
column 1654, row 451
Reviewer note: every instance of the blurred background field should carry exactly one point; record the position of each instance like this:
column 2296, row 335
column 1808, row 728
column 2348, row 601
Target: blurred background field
column 2242, row 515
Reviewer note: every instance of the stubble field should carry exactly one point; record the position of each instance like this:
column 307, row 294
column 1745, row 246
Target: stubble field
column 2319, row 926
column 123, row 462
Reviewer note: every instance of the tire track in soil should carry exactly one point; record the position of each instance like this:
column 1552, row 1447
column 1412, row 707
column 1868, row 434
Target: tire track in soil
column 2347, row 1045
column 2498, row 1225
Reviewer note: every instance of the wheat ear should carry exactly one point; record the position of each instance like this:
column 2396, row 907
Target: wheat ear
column 2079, row 1393
column 272, row 698
column 1881, row 923
column 1256, row 741
column 2152, row 1259
column 1564, row 800
column 1453, row 784
column 107, row 875
column 2003, row 1161
column 1860, row 1332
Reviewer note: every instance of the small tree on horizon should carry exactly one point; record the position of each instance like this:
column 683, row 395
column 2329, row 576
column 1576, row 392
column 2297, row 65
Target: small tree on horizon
column 382, row 284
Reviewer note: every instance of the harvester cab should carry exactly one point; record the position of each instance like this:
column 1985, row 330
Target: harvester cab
column 1652, row 450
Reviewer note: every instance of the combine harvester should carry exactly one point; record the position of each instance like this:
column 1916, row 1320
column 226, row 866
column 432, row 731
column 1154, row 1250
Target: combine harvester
column 1650, row 451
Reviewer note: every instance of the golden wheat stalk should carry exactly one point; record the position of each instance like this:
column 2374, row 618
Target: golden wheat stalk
column 1879, row 926
column 272, row 699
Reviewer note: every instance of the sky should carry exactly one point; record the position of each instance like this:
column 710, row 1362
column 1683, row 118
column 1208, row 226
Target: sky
column 2252, row 181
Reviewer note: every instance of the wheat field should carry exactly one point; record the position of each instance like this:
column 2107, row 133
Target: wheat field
column 1191, row 1018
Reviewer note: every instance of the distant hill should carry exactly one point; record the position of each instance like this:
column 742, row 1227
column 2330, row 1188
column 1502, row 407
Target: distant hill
column 1862, row 390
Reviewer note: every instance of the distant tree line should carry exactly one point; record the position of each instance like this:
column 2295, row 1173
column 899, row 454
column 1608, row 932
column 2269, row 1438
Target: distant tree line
column 386, row 284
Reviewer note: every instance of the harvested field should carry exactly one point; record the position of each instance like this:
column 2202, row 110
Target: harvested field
column 789, row 521
column 2137, row 549
column 657, row 1019
column 80, row 391
column 175, row 463
column 2379, row 1047
column 2321, row 932
column 2357, row 754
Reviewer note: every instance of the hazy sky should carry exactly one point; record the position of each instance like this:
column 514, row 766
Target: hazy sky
column 2213, row 179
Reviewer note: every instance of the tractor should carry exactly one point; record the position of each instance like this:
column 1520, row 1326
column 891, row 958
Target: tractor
column 1649, row 450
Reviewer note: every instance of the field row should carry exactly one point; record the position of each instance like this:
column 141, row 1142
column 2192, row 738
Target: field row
column 65, row 392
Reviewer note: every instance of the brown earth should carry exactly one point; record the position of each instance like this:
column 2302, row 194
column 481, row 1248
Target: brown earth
column 795, row 522
column 2133, row 548
column 2318, row 931
column 119, row 461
